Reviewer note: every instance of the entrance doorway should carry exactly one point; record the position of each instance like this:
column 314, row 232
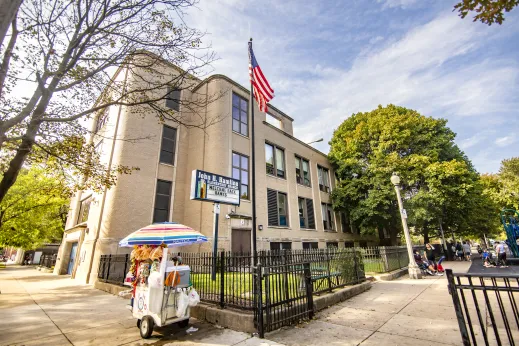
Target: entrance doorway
column 241, row 240
column 72, row 259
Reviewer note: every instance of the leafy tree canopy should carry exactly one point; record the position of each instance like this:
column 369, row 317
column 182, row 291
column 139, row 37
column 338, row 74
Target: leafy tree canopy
column 34, row 210
column 488, row 11
column 436, row 177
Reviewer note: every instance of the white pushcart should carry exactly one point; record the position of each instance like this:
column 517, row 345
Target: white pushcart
column 156, row 305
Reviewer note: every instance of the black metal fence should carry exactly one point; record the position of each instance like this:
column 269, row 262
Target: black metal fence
column 113, row 268
column 486, row 307
column 47, row 261
column 234, row 284
column 285, row 295
column 383, row 259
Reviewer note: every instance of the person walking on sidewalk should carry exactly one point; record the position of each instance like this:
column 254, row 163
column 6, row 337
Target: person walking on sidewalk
column 501, row 253
column 467, row 251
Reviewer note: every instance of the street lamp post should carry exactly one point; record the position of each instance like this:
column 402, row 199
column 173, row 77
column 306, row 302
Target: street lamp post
column 414, row 271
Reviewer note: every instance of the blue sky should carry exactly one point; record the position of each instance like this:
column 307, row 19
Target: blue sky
column 329, row 59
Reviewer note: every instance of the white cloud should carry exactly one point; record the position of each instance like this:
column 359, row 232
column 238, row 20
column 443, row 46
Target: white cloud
column 471, row 141
column 420, row 70
column 505, row 141
column 397, row 3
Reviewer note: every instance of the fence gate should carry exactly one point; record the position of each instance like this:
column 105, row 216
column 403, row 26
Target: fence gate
column 284, row 295
column 486, row 307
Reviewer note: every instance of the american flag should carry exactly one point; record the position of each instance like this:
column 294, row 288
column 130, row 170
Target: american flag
column 263, row 93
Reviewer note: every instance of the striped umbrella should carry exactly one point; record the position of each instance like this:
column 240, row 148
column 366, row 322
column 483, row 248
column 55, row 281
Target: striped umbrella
column 169, row 233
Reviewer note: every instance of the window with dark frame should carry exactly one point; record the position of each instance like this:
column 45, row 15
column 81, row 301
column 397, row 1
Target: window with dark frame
column 101, row 119
column 162, row 201
column 275, row 160
column 324, row 179
column 332, row 245
column 345, row 223
column 278, row 246
column 349, row 244
column 84, row 209
column 302, row 171
column 168, row 144
column 327, row 212
column 240, row 171
column 310, row 245
column 240, row 115
column 277, row 208
column 306, row 213
column 173, row 99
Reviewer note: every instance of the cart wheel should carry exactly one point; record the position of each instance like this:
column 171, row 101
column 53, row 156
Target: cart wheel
column 184, row 323
column 138, row 323
column 146, row 327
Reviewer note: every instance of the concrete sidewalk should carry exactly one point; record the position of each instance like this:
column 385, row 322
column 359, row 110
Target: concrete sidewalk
column 44, row 309
column 401, row 312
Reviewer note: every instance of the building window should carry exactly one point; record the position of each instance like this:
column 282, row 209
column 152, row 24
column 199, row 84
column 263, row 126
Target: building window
column 240, row 171
column 345, row 224
column 101, row 119
column 240, row 115
column 167, row 147
column 277, row 208
column 275, row 160
column 310, row 245
column 84, row 209
column 277, row 246
column 324, row 179
column 272, row 120
column 332, row 245
column 162, row 201
column 302, row 171
column 349, row 244
column 363, row 243
column 173, row 99
column 327, row 216
column 306, row 213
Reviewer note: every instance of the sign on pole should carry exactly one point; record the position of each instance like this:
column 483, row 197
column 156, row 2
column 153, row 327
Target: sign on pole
column 216, row 188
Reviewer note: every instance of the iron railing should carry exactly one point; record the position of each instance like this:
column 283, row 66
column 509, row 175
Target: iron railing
column 47, row 261
column 383, row 259
column 234, row 284
column 113, row 268
column 486, row 307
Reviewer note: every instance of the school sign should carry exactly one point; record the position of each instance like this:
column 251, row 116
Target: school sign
column 210, row 187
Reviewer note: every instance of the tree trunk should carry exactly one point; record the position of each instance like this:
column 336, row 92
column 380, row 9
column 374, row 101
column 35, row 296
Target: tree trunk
column 10, row 176
column 426, row 235
column 7, row 56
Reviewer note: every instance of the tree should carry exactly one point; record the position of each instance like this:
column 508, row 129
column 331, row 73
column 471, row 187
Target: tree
column 509, row 178
column 488, row 11
column 368, row 147
column 34, row 210
column 75, row 60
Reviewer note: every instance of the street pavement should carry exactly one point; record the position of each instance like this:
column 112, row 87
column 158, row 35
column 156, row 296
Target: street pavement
column 44, row 309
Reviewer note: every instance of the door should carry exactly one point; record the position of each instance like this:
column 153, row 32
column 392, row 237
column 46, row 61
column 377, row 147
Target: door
column 241, row 240
column 72, row 259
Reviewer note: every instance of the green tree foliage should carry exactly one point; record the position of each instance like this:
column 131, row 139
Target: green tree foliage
column 436, row 177
column 34, row 210
column 488, row 11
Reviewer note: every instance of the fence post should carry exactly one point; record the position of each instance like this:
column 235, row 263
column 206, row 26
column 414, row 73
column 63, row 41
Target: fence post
column 457, row 307
column 259, row 274
column 329, row 279
column 108, row 271
column 125, row 266
column 356, row 265
column 222, row 279
column 385, row 259
column 309, row 290
column 399, row 255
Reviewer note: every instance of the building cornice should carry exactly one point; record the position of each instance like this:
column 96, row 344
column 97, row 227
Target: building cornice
column 295, row 139
column 236, row 84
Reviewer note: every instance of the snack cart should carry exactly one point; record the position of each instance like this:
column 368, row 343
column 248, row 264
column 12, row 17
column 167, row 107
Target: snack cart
column 161, row 293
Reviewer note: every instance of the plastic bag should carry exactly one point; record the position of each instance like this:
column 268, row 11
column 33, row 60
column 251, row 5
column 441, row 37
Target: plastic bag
column 194, row 298
column 155, row 280
column 129, row 278
column 182, row 303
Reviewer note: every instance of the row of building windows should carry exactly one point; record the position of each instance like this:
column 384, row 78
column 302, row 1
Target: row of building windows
column 278, row 246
